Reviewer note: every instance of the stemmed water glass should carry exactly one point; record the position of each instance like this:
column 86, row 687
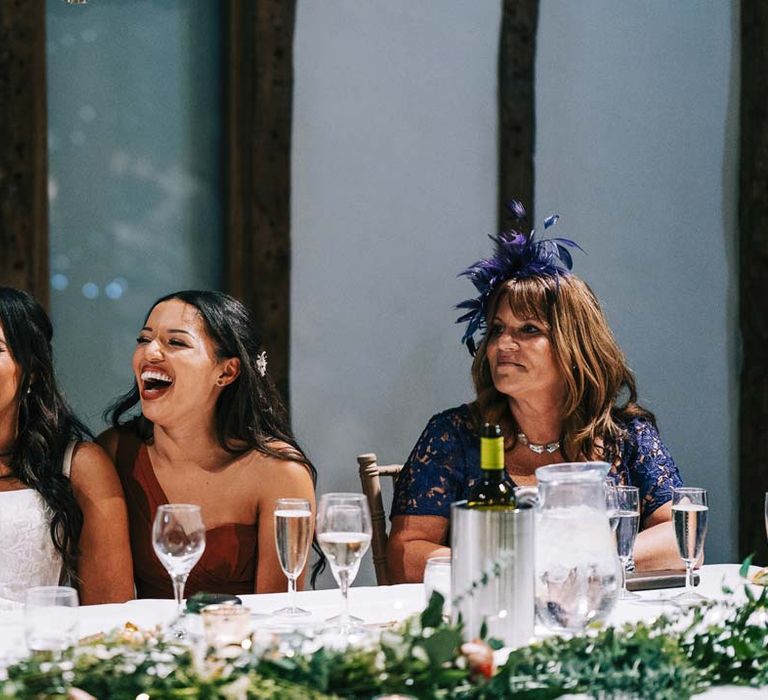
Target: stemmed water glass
column 344, row 534
column 293, row 536
column 690, row 509
column 628, row 523
column 353, row 619
column 178, row 538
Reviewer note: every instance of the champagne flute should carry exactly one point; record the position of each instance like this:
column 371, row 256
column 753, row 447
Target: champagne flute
column 628, row 523
column 178, row 538
column 293, row 536
column 690, row 509
column 344, row 534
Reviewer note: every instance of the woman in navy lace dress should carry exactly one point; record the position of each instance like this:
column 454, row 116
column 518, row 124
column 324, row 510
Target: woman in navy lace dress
column 549, row 371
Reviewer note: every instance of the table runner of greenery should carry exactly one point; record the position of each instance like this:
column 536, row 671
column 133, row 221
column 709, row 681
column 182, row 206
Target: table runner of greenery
column 722, row 642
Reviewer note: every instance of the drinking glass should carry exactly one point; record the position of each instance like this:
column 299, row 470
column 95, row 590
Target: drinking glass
column 628, row 523
column 293, row 536
column 344, row 535
column 611, row 503
column 766, row 513
column 690, row 509
column 437, row 577
column 178, row 537
column 11, row 627
column 50, row 620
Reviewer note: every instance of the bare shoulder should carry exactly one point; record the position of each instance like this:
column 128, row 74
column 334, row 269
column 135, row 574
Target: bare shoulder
column 266, row 465
column 108, row 440
column 275, row 477
column 93, row 472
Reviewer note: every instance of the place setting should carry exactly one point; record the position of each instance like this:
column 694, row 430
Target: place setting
column 689, row 518
column 343, row 531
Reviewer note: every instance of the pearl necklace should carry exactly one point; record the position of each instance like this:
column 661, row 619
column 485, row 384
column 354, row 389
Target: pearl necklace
column 549, row 447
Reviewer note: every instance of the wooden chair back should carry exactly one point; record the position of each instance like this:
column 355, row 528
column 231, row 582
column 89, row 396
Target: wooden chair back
column 370, row 472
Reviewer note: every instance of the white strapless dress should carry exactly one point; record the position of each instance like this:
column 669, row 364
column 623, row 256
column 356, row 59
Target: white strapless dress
column 27, row 555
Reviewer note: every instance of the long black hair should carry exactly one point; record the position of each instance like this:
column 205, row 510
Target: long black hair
column 46, row 422
column 249, row 412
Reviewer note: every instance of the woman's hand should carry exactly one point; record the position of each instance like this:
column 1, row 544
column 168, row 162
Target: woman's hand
column 105, row 567
column 413, row 540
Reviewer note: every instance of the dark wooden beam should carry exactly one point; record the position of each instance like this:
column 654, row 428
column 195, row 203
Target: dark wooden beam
column 753, row 279
column 517, row 58
column 259, row 78
column 23, row 148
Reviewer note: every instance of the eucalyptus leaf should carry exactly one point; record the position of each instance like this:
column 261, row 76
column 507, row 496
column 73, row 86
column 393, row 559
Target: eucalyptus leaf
column 744, row 570
column 433, row 613
column 442, row 646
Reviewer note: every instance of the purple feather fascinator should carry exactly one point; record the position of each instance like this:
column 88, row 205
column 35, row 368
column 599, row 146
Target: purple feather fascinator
column 517, row 255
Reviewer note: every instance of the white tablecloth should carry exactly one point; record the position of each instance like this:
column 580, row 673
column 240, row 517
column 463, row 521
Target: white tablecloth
column 375, row 604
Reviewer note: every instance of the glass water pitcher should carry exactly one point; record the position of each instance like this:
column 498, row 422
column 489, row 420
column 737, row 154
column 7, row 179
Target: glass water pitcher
column 578, row 578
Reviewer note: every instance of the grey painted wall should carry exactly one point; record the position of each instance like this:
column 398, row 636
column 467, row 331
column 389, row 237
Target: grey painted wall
column 394, row 191
column 637, row 112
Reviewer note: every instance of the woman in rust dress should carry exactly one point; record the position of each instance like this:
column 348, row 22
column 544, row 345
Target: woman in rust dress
column 212, row 431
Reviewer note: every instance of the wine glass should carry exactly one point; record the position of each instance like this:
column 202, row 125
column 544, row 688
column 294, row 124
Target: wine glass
column 344, row 534
column 178, row 538
column 628, row 523
column 353, row 619
column 293, row 536
column 690, row 509
column 611, row 503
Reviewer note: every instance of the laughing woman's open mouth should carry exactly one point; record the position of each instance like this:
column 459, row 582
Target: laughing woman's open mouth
column 154, row 383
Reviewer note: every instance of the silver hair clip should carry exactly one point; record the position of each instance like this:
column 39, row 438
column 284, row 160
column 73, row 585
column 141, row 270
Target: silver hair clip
column 261, row 362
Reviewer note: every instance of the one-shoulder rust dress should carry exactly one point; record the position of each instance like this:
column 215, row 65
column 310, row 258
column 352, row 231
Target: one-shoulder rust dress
column 228, row 564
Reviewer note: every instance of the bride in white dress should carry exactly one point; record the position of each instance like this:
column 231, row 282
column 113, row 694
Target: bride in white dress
column 62, row 511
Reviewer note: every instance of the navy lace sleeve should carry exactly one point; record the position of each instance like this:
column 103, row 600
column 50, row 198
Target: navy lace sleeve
column 436, row 472
column 647, row 464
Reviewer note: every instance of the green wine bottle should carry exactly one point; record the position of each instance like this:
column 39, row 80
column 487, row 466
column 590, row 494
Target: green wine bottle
column 495, row 489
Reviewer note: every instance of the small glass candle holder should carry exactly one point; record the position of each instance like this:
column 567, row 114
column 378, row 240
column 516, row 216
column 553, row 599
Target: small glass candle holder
column 227, row 629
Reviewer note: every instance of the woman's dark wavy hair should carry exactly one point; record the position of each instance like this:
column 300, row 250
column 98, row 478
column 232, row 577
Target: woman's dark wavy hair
column 46, row 422
column 249, row 413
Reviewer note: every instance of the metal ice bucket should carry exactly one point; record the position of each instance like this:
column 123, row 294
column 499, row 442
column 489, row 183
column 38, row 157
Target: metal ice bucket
column 492, row 571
